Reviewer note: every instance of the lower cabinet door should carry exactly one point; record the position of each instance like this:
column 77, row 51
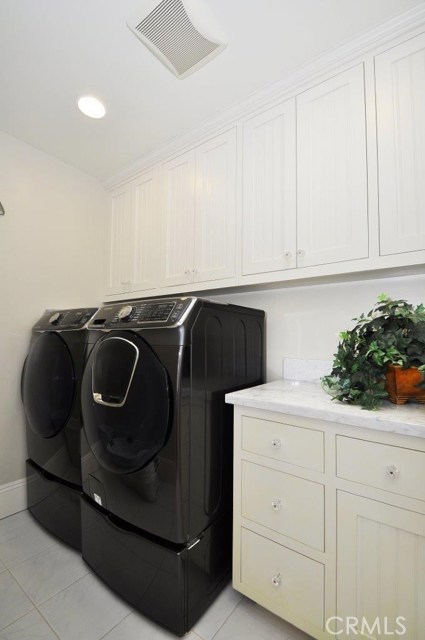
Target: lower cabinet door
column 380, row 570
column 282, row 580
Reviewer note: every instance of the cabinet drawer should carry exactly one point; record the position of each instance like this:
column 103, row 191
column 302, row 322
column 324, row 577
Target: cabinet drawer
column 285, row 442
column 387, row 467
column 287, row 581
column 289, row 505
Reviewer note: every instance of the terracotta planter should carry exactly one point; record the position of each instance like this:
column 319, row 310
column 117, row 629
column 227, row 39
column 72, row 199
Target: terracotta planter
column 401, row 384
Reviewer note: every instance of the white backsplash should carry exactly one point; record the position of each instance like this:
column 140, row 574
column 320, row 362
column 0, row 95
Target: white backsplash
column 305, row 370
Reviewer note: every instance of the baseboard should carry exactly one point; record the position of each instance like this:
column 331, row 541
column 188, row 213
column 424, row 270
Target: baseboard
column 13, row 497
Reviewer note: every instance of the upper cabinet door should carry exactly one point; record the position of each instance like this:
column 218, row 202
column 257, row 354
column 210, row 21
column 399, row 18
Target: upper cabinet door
column 269, row 191
column 215, row 208
column 332, row 171
column 119, row 241
column 400, row 104
column 178, row 210
column 145, row 227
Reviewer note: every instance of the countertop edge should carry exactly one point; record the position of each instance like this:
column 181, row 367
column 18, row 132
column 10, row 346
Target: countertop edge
column 336, row 412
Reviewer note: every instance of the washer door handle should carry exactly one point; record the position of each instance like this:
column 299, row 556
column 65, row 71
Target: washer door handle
column 109, row 401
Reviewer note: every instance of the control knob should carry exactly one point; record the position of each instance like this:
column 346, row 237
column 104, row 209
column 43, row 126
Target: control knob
column 54, row 319
column 126, row 313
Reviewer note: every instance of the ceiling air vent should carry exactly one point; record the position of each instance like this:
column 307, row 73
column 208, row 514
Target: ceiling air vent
column 168, row 30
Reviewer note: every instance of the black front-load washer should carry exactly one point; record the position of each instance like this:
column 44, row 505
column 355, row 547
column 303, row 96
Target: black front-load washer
column 51, row 383
column 157, row 449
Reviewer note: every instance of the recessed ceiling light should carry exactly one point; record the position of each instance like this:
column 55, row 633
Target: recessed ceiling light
column 91, row 107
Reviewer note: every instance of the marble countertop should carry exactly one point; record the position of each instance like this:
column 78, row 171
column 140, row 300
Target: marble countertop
column 308, row 400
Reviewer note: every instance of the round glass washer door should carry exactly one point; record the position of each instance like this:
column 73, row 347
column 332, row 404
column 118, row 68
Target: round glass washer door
column 125, row 402
column 48, row 385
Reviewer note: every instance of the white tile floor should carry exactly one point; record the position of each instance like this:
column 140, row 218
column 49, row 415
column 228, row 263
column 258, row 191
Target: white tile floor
column 47, row 592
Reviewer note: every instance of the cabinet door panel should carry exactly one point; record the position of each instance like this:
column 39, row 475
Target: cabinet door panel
column 119, row 241
column 381, row 566
column 215, row 208
column 332, row 171
column 144, row 238
column 400, row 104
column 178, row 219
column 269, row 190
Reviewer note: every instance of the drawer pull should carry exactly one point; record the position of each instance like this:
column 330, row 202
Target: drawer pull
column 276, row 580
column 393, row 472
column 276, row 443
column 277, row 504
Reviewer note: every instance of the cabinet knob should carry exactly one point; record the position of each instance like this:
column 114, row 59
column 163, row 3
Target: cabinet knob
column 276, row 504
column 276, row 580
column 393, row 472
column 187, row 272
column 276, row 443
column 195, row 271
column 287, row 254
column 300, row 253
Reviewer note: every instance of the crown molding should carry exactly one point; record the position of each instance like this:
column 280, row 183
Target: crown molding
column 333, row 59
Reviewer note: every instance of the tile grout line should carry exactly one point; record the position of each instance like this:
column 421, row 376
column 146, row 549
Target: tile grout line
column 116, row 625
column 54, row 544
column 48, row 623
column 39, row 604
column 17, row 620
column 224, row 622
column 26, row 612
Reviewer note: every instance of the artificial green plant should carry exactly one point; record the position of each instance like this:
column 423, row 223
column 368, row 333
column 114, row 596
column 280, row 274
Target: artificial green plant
column 393, row 332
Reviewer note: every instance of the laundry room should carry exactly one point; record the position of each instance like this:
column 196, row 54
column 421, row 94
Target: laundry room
column 212, row 244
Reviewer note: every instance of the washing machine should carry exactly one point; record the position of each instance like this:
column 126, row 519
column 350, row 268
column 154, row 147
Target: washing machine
column 51, row 383
column 157, row 449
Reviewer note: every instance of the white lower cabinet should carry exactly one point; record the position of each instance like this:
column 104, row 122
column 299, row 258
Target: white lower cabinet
column 381, row 569
column 329, row 525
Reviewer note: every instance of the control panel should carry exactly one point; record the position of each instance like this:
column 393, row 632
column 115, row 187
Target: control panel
column 167, row 312
column 64, row 319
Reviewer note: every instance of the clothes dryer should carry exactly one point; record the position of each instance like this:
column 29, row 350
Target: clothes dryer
column 157, row 449
column 51, row 383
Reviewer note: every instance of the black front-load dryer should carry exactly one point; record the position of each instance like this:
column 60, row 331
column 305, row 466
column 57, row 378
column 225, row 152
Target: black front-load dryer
column 51, row 383
column 157, row 449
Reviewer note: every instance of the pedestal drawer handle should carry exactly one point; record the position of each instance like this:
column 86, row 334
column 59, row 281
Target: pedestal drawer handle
column 276, row 504
column 393, row 472
column 276, row 443
column 276, row 580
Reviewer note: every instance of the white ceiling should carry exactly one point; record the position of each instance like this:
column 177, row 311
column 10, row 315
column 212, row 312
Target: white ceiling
column 52, row 51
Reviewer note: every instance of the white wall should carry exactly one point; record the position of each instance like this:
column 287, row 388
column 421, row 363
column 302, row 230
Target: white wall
column 51, row 244
column 304, row 322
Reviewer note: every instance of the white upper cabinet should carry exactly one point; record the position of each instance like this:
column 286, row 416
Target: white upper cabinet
column 215, row 209
column 133, row 233
column 269, row 191
column 119, row 241
column 199, row 213
column 400, row 104
column 178, row 210
column 145, row 226
column 332, row 207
